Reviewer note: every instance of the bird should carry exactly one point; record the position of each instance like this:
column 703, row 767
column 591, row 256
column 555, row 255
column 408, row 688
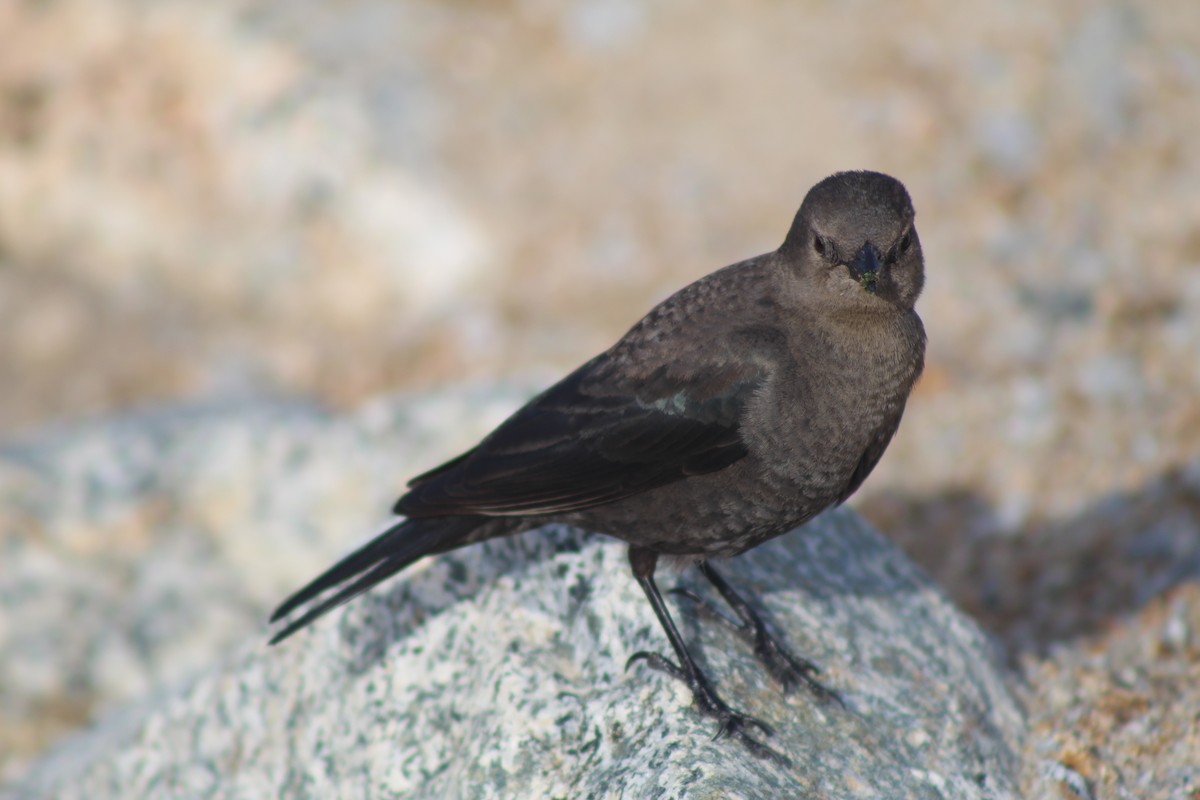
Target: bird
column 735, row 411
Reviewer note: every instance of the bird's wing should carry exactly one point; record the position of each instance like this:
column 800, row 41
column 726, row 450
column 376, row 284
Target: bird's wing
column 594, row 438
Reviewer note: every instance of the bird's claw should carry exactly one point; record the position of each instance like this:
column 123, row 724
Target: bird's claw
column 735, row 725
column 658, row 662
column 731, row 723
column 791, row 670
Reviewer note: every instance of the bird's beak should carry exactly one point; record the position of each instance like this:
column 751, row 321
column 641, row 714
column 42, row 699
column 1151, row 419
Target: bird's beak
column 865, row 267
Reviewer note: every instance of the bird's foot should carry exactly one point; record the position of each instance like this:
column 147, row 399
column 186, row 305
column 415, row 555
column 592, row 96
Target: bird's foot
column 731, row 723
column 788, row 669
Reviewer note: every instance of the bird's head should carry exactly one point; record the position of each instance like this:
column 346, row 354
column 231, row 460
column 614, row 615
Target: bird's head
column 853, row 240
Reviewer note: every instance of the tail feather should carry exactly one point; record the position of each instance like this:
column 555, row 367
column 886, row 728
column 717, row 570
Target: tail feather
column 363, row 558
column 380, row 573
column 376, row 561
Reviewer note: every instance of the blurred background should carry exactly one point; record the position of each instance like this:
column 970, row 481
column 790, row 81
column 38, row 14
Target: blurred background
column 335, row 199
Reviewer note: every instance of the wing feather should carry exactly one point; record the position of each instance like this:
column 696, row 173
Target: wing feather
column 591, row 440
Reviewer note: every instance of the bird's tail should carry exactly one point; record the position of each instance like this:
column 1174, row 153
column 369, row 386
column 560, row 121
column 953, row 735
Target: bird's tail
column 374, row 562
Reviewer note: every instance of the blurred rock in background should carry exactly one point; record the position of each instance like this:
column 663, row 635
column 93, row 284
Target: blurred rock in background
column 204, row 201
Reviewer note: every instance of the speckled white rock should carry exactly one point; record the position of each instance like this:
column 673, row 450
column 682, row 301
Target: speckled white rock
column 134, row 551
column 498, row 671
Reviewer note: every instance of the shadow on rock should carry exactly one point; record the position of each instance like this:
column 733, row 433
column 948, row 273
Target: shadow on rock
column 1051, row 580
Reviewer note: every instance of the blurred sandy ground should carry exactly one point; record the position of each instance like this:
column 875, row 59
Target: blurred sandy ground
column 336, row 199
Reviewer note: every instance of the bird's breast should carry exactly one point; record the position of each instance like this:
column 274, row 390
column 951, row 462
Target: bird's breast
column 815, row 419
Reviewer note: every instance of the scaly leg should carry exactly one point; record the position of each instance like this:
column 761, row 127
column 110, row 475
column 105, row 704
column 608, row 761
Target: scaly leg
column 732, row 722
column 786, row 668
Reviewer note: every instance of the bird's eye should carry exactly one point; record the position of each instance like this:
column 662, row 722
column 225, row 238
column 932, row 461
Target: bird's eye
column 819, row 245
column 905, row 243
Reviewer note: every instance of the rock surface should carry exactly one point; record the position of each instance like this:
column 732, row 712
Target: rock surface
column 498, row 671
column 139, row 552
column 136, row 551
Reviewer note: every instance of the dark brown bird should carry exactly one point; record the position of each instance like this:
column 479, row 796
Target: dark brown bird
column 737, row 409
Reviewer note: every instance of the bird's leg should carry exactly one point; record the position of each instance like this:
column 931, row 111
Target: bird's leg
column 732, row 722
column 783, row 665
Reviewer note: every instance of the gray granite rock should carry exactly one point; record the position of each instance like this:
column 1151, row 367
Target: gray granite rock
column 135, row 550
column 498, row 671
